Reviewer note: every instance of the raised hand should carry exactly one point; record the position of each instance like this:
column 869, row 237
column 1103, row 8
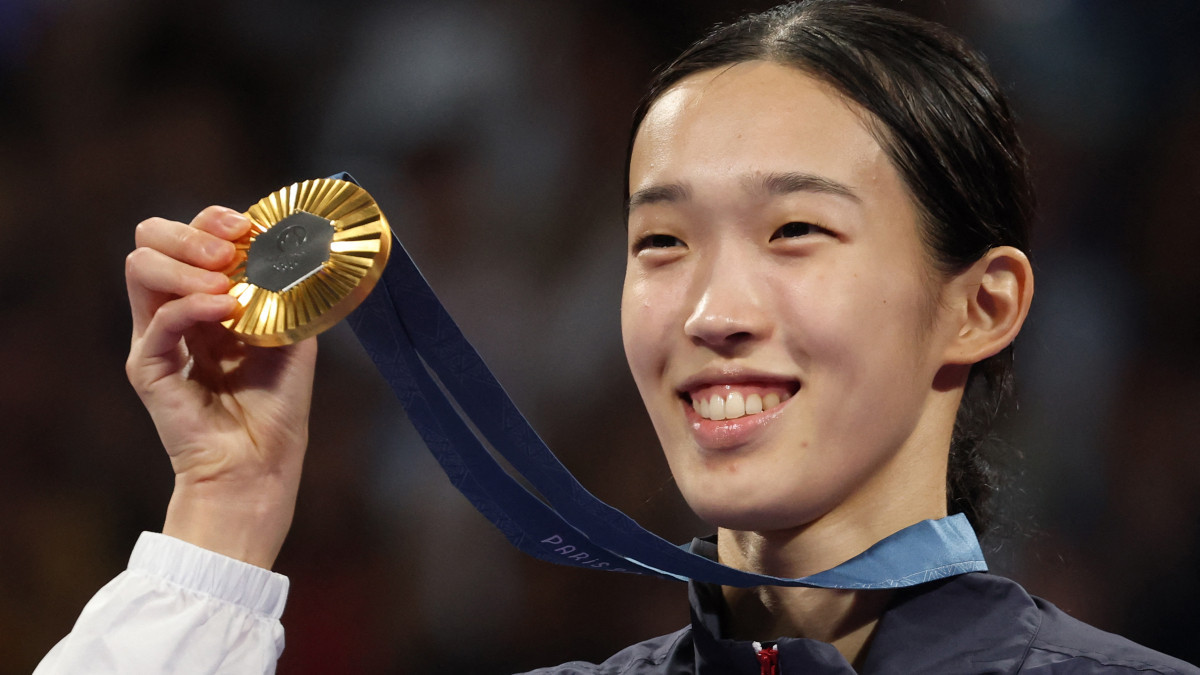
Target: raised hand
column 233, row 418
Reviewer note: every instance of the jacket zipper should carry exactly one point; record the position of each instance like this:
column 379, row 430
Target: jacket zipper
column 768, row 659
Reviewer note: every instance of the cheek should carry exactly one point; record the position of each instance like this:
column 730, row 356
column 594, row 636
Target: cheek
column 654, row 307
column 882, row 381
column 861, row 332
column 643, row 328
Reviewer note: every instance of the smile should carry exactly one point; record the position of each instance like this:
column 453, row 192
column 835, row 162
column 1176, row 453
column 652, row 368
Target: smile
column 730, row 401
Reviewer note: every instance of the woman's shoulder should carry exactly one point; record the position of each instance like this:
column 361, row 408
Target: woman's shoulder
column 667, row 654
column 972, row 623
column 985, row 609
column 1066, row 644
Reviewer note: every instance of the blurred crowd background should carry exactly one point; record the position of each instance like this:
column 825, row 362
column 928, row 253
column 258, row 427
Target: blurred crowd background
column 493, row 134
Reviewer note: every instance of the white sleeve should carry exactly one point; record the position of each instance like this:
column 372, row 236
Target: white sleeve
column 180, row 609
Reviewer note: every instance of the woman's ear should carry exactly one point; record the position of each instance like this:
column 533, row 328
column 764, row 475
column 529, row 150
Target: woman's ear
column 996, row 292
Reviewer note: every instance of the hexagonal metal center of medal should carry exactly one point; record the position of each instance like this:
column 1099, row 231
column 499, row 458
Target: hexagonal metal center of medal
column 293, row 249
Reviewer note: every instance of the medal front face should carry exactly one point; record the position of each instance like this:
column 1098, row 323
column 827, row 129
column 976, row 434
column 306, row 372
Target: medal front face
column 314, row 251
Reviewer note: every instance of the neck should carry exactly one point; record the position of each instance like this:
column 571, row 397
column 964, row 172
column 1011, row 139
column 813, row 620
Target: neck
column 909, row 488
column 845, row 619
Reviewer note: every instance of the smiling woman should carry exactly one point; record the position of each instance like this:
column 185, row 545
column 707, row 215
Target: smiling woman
column 781, row 258
column 795, row 271
column 827, row 224
column 930, row 111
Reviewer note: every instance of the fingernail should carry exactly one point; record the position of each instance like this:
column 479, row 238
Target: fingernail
column 233, row 221
column 217, row 250
column 220, row 280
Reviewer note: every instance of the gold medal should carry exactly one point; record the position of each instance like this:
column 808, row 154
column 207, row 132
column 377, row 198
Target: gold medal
column 314, row 251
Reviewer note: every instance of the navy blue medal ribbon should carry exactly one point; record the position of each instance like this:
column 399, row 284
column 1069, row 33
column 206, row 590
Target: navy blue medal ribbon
column 439, row 378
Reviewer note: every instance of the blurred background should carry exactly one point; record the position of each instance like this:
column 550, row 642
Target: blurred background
column 493, row 134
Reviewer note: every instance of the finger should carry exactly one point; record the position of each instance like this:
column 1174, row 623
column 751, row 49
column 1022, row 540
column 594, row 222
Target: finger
column 222, row 222
column 157, row 354
column 185, row 243
column 152, row 278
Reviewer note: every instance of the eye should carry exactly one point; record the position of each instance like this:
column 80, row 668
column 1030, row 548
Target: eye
column 651, row 241
column 798, row 229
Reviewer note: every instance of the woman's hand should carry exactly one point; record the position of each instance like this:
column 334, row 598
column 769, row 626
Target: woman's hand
column 232, row 417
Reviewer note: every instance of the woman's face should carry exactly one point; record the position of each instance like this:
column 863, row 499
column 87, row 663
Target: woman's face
column 780, row 315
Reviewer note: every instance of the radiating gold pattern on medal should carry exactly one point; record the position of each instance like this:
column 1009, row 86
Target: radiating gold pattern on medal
column 357, row 255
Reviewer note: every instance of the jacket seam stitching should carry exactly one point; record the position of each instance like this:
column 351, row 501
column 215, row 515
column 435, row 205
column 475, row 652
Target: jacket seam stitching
column 1103, row 659
column 1029, row 645
column 655, row 660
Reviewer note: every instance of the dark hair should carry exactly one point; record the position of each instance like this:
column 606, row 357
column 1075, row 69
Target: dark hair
column 938, row 113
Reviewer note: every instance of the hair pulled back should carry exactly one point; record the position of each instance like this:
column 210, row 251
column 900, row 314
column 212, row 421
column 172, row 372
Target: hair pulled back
column 938, row 113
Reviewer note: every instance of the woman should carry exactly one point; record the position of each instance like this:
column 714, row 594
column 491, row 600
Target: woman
column 827, row 221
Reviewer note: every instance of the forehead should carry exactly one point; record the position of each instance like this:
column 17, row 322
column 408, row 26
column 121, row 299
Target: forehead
column 753, row 118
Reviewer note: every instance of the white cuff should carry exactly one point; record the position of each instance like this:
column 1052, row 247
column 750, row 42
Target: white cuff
column 203, row 571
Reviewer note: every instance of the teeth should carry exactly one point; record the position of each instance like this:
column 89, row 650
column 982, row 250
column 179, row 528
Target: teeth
column 754, row 404
column 716, row 408
column 735, row 405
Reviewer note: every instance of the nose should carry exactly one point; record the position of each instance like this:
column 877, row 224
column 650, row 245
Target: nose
column 729, row 311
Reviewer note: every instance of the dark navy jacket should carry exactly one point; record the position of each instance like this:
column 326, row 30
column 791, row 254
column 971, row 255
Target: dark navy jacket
column 972, row 623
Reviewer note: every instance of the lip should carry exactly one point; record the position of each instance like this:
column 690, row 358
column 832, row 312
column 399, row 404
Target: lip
column 736, row 376
column 729, row 434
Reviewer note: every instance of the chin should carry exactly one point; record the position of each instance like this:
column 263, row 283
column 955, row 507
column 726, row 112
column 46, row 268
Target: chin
column 759, row 493
column 753, row 516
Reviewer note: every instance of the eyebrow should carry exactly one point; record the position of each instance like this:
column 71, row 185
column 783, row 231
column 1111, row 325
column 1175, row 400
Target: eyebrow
column 777, row 184
column 771, row 184
column 658, row 194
